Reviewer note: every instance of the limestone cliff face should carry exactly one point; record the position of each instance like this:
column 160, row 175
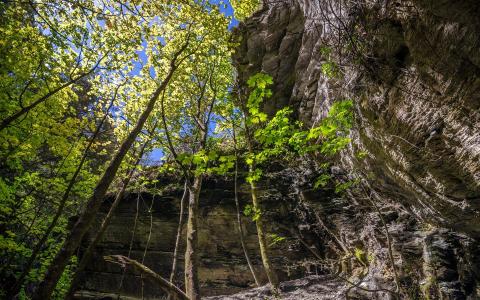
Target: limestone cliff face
column 412, row 69
column 418, row 118
column 144, row 228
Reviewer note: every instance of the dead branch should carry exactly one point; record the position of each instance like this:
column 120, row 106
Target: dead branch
column 163, row 283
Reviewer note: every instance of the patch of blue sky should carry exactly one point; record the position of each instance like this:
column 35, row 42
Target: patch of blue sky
column 227, row 9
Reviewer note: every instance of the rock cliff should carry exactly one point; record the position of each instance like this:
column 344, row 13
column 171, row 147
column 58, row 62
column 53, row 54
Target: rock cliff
column 144, row 228
column 412, row 68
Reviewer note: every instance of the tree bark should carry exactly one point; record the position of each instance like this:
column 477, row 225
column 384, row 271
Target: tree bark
column 103, row 227
column 262, row 241
column 179, row 234
column 77, row 277
column 192, row 286
column 74, row 239
column 164, row 284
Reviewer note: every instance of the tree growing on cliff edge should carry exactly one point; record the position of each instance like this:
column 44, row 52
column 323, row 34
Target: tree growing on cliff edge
column 253, row 115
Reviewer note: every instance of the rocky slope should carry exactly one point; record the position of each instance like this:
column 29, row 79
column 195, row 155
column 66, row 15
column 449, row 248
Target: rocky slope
column 412, row 69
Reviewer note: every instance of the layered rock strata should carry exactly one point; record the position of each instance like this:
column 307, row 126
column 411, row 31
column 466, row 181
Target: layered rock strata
column 412, row 69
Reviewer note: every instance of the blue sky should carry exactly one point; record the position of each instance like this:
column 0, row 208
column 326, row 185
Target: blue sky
column 228, row 12
column 155, row 156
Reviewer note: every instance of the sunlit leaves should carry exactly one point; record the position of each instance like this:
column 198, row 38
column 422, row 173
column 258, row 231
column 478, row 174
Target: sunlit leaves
column 321, row 181
column 276, row 239
column 244, row 8
column 126, row 48
column 198, row 93
column 124, row 51
column 259, row 91
column 280, row 137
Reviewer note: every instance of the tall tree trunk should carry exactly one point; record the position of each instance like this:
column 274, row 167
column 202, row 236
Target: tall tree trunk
column 103, row 227
column 192, row 286
column 106, row 221
column 262, row 240
column 77, row 277
column 237, row 206
column 38, row 247
column 179, row 234
column 73, row 240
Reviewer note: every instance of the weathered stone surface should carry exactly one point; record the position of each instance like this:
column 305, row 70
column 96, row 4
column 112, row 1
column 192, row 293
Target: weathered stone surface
column 223, row 269
column 308, row 288
column 416, row 89
column 419, row 121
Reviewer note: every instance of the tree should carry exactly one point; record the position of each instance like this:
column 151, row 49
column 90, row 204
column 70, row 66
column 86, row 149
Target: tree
column 237, row 206
column 259, row 83
column 43, row 80
column 83, row 224
column 279, row 137
column 18, row 284
column 84, row 86
column 187, row 36
column 162, row 282
column 208, row 77
column 85, row 259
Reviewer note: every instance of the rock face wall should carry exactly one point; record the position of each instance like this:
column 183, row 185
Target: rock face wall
column 144, row 227
column 412, row 69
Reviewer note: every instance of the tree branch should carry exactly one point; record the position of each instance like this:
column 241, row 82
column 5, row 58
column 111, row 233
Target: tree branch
column 163, row 283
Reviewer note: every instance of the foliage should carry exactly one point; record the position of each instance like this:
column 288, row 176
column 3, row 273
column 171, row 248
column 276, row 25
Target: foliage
column 329, row 67
column 281, row 137
column 252, row 212
column 71, row 69
column 275, row 239
column 321, row 181
column 208, row 162
column 244, row 8
column 105, row 58
column 361, row 256
column 343, row 186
